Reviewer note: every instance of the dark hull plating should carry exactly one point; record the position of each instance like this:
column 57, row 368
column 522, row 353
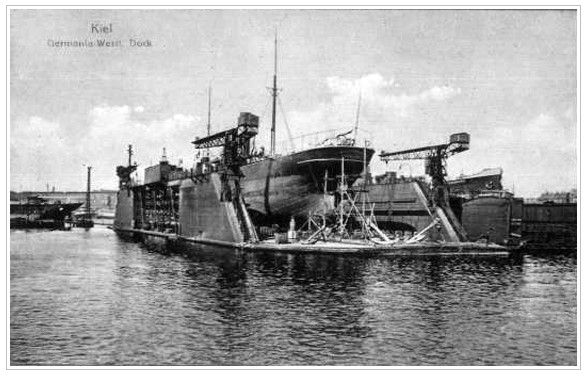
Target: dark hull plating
column 45, row 215
column 52, row 211
column 293, row 185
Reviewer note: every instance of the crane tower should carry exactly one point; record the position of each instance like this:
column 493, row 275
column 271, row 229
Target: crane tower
column 435, row 157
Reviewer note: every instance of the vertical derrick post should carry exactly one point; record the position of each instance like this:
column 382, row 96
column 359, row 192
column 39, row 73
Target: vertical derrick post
column 130, row 151
column 88, row 190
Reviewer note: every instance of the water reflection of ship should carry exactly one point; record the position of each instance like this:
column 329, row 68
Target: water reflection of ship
column 339, row 296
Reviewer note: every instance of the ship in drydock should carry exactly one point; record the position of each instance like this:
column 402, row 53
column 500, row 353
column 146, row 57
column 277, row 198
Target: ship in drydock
column 278, row 188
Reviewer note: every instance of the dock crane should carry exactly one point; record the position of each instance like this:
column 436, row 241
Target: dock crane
column 435, row 157
column 236, row 151
column 235, row 141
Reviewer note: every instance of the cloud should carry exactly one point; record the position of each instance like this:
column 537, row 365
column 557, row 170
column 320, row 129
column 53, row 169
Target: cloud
column 379, row 93
column 537, row 154
column 113, row 128
column 42, row 151
column 391, row 118
column 39, row 153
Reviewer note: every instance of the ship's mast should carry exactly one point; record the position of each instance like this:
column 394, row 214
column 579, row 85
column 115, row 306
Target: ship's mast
column 274, row 96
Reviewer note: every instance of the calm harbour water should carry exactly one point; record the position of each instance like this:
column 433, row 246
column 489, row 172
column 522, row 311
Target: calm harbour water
column 89, row 298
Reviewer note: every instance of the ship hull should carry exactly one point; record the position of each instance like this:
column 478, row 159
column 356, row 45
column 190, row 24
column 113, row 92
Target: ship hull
column 40, row 215
column 293, row 185
column 43, row 211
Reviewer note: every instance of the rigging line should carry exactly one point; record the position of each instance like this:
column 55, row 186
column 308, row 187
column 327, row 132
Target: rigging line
column 261, row 118
column 290, row 139
column 208, row 121
column 265, row 108
column 357, row 116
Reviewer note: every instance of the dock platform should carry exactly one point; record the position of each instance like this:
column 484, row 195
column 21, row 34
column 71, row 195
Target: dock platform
column 350, row 247
column 423, row 248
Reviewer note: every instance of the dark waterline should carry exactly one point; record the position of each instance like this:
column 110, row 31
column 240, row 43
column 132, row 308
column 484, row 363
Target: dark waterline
column 88, row 298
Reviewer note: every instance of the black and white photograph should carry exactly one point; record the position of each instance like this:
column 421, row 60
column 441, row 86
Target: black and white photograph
column 299, row 187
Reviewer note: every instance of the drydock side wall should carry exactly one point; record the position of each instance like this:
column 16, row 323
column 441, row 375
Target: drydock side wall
column 494, row 218
column 403, row 205
column 204, row 215
column 550, row 225
column 123, row 218
column 398, row 204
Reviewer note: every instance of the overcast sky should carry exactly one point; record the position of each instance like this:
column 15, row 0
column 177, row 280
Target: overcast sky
column 508, row 78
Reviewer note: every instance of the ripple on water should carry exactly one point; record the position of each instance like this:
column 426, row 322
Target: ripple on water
column 89, row 298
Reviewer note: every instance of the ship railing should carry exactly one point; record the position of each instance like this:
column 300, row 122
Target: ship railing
column 178, row 175
column 185, row 174
column 344, row 136
column 199, row 172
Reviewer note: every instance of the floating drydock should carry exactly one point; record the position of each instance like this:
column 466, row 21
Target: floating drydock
column 249, row 200
column 207, row 206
